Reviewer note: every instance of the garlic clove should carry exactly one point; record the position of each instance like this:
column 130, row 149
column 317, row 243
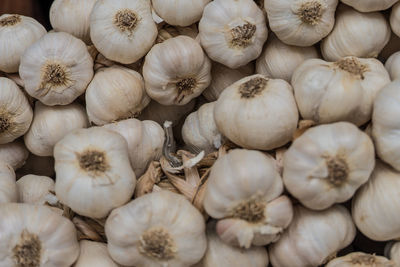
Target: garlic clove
column 392, row 65
column 395, row 19
column 360, row 259
column 14, row 154
column 94, row 254
column 8, row 187
column 35, row 189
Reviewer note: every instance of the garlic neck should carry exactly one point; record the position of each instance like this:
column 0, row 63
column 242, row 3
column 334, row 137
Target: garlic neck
column 242, row 35
column 253, row 87
column 337, row 170
column 250, row 210
column 364, row 260
column 310, row 12
column 353, row 66
column 93, row 161
column 54, row 75
column 185, row 87
column 10, row 20
column 27, row 252
column 157, row 243
column 5, row 121
column 126, row 20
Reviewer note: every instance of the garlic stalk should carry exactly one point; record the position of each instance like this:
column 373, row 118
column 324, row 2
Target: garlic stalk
column 35, row 189
column 8, row 187
column 14, row 154
column 360, row 259
column 94, row 254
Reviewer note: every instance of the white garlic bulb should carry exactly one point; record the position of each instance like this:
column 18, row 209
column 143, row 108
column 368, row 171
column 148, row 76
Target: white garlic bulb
column 37, row 165
column 160, row 229
column 14, row 154
column 122, row 30
column 351, row 83
column 279, row 60
column 356, row 259
column 244, row 192
column 243, row 112
column 56, row 69
column 392, row 65
column 313, row 237
column 176, row 71
column 17, row 33
column 352, row 33
column 327, row 164
column 392, row 251
column 115, row 93
column 145, row 141
column 34, row 235
column 303, row 22
column 35, row 189
column 15, row 112
column 93, row 173
column 94, row 254
column 370, row 5
column 8, row 187
column 50, row 124
column 395, row 19
column 233, row 32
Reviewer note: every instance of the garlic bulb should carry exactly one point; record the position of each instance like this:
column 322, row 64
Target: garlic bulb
column 35, row 189
column 15, row 112
column 8, row 187
column 56, row 69
column 352, row 35
column 243, row 112
column 279, row 60
column 93, row 173
column 351, row 83
column 181, row 12
column 37, row 165
column 157, row 229
column 233, row 32
column 327, row 164
column 303, row 22
column 244, row 192
column 313, row 237
column 360, row 259
column 370, row 5
column 392, row 251
column 14, row 154
column 145, row 141
column 122, row 30
column 51, row 124
column 392, row 65
column 94, row 254
column 36, row 236
column 115, row 93
column 176, row 71
column 395, row 19
column 73, row 17
column 17, row 33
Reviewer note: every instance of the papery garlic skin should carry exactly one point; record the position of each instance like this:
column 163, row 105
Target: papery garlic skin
column 34, row 235
column 338, row 91
column 122, row 30
column 73, row 17
column 14, row 154
column 243, row 112
column 56, row 69
column 8, row 187
column 395, row 19
column 243, row 192
column 94, row 254
column 37, row 165
column 17, row 33
column 392, row 251
column 392, row 65
column 301, row 23
column 370, row 5
column 51, row 124
column 233, row 32
column 352, row 33
column 312, row 237
column 160, row 229
column 35, row 189
column 115, row 93
column 93, row 172
column 327, row 164
column 360, row 259
column 176, row 71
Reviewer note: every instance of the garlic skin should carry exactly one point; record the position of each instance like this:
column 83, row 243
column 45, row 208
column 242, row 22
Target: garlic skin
column 370, row 5
column 351, row 83
column 327, row 164
column 312, row 237
column 145, row 141
column 395, row 19
column 8, row 187
column 56, row 69
column 115, row 93
column 14, row 154
column 51, row 124
column 392, row 251
column 301, row 23
column 181, row 12
column 392, row 65
column 176, row 71
column 35, row 189
column 244, row 192
column 94, row 254
column 122, row 30
column 17, row 33
column 233, row 32
column 243, row 112
column 73, row 17
column 163, row 228
column 93, row 173
column 352, row 32
column 279, row 60
column 34, row 235
column 15, row 112
column 360, row 259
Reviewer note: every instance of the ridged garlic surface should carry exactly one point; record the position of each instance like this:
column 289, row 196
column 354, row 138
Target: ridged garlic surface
column 35, row 189
column 160, row 229
column 94, row 254
column 392, row 251
column 34, row 235
column 8, row 187
column 56, row 69
column 243, row 112
column 327, row 164
column 122, row 30
column 115, row 93
column 233, row 32
column 176, row 71
column 93, row 172
column 50, row 124
column 244, row 193
column 313, row 237
column 395, row 19
column 392, row 65
column 370, row 5
column 352, row 33
column 17, row 33
column 351, row 83
column 358, row 259
column 14, row 154
column 303, row 22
